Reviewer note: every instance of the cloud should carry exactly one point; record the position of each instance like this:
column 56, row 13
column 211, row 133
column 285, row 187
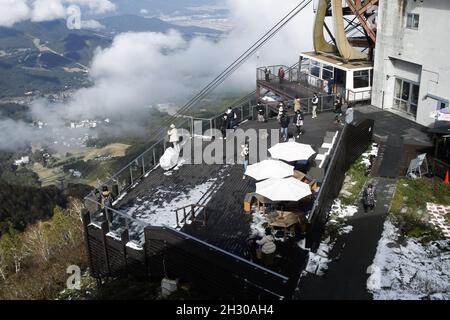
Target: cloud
column 46, row 10
column 92, row 24
column 143, row 69
column 13, row 11
column 143, row 11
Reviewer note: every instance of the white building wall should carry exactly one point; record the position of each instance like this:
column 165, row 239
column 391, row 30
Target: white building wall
column 428, row 48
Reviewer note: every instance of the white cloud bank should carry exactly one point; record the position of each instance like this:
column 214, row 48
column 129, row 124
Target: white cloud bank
column 13, row 11
column 142, row 69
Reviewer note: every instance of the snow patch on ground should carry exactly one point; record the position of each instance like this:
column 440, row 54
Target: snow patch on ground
column 366, row 156
column 339, row 213
column 318, row 262
column 410, row 270
column 160, row 212
column 257, row 225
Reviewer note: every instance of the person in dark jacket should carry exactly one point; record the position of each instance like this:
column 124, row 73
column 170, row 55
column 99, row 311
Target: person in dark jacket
column 369, row 198
column 230, row 116
column 284, row 124
column 298, row 120
column 261, row 112
column 337, row 109
column 106, row 200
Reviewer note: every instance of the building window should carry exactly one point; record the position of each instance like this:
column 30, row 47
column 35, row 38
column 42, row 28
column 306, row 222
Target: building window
column 412, row 21
column 327, row 72
column 315, row 68
column 406, row 96
column 361, row 79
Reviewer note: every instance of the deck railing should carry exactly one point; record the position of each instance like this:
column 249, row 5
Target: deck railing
column 130, row 176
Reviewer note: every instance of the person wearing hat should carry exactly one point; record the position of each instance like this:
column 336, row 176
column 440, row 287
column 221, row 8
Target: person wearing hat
column 173, row 136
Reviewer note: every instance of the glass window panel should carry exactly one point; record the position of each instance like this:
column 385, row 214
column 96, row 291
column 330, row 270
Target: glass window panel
column 403, row 106
column 415, row 94
column 413, row 109
column 406, row 90
column 326, row 74
column 398, row 88
column 315, row 71
column 396, row 104
column 412, row 21
column 361, row 79
column 416, row 21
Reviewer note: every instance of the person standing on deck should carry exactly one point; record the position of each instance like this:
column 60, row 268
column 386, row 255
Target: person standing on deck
column 298, row 120
column 297, row 104
column 349, row 114
column 267, row 74
column 315, row 105
column 338, row 108
column 106, row 200
column 369, row 198
column 245, row 154
column 173, row 136
column 261, row 112
column 230, row 116
column 268, row 248
column 281, row 74
column 284, row 124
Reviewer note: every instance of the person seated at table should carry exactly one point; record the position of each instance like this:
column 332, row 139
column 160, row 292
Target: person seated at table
column 268, row 248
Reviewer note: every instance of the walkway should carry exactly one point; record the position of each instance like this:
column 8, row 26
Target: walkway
column 346, row 277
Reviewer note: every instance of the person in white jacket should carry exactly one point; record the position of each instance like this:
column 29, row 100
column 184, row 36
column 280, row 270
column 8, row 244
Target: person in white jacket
column 268, row 248
column 173, row 136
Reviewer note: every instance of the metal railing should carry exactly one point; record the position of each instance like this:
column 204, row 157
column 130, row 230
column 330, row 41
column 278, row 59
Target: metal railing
column 290, row 73
column 358, row 96
column 129, row 177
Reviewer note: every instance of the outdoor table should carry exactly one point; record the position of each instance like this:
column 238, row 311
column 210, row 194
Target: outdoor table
column 283, row 219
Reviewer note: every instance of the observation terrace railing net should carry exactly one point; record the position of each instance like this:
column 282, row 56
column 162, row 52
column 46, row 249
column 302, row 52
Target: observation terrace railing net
column 141, row 167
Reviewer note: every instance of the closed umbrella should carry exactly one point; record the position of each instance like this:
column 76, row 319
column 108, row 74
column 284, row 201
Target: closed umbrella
column 269, row 169
column 292, row 151
column 441, row 115
column 287, row 189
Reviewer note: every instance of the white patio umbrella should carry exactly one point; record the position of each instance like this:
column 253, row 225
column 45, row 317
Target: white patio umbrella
column 441, row 115
column 269, row 169
column 292, row 151
column 287, row 189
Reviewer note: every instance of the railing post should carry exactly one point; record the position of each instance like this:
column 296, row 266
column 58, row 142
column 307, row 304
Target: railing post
column 143, row 165
column 178, row 220
column 154, row 157
column 192, row 212
column 131, row 175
